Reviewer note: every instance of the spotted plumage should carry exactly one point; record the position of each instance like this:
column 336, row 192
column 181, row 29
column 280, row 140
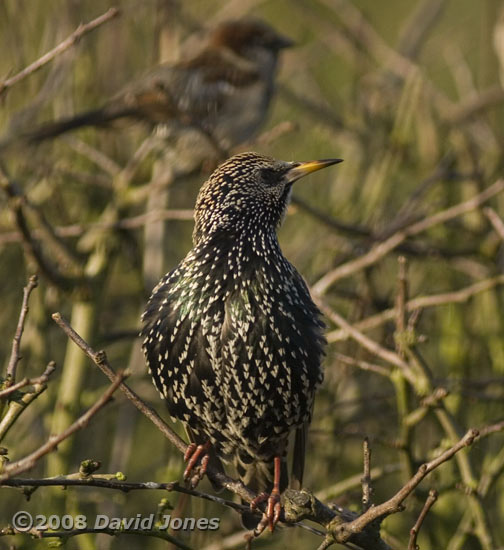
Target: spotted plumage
column 232, row 338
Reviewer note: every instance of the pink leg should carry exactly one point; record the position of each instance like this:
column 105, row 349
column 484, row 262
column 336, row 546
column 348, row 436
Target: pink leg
column 192, row 455
column 274, row 507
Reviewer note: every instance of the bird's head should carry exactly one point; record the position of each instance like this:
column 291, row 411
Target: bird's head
column 248, row 192
column 250, row 38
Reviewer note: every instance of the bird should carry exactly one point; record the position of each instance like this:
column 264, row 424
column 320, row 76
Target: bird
column 232, row 339
column 235, row 68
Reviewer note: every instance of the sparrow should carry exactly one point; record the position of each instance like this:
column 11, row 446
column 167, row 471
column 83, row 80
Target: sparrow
column 224, row 90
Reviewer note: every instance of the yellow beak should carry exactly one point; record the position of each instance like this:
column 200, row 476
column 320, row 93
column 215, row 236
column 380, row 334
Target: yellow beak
column 301, row 169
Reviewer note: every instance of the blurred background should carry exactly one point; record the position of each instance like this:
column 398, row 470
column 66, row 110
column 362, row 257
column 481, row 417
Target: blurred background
column 409, row 94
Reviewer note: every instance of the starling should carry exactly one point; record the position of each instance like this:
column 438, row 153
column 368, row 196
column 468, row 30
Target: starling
column 232, row 338
column 207, row 91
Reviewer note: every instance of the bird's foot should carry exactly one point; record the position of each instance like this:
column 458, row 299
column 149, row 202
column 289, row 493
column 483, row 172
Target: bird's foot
column 272, row 513
column 192, row 455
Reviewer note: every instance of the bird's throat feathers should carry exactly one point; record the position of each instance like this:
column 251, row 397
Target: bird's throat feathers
column 235, row 252
column 246, row 218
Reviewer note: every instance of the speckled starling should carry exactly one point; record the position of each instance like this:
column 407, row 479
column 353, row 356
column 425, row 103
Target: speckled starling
column 232, row 338
column 207, row 91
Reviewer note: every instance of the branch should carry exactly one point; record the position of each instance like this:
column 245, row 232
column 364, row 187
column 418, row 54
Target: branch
column 29, row 461
column 344, row 526
column 16, row 342
column 97, row 157
column 76, row 230
column 17, row 406
column 364, row 365
column 345, row 485
column 394, row 504
column 421, row 302
column 380, row 250
column 100, row 360
column 81, row 30
column 17, row 201
column 158, row 533
column 39, row 381
column 123, row 486
column 475, row 104
column 367, row 489
column 431, row 499
column 495, row 220
column 493, row 428
column 365, row 341
column 414, row 33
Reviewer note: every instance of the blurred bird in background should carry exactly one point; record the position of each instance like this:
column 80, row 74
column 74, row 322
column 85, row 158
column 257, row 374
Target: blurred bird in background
column 223, row 91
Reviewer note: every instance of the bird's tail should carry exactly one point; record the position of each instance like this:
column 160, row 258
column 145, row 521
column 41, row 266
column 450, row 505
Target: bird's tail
column 96, row 117
column 50, row 130
column 258, row 476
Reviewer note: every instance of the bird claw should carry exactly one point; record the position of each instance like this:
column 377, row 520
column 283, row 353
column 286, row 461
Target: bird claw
column 192, row 455
column 271, row 515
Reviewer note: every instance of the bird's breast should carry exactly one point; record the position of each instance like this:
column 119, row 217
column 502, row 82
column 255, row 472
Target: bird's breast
column 234, row 342
column 243, row 113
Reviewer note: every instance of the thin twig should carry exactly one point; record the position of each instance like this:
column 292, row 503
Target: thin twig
column 29, row 461
column 325, row 544
column 16, row 342
column 157, row 533
column 134, row 222
column 394, row 504
column 364, row 365
column 380, row 250
column 17, row 406
column 431, row 499
column 495, row 220
column 17, row 201
column 40, row 380
column 416, row 30
column 402, row 296
column 123, row 486
column 81, row 30
column 344, row 526
column 475, row 104
column 491, row 429
column 377, row 48
column 100, row 360
column 94, row 155
column 366, row 478
column 341, row 487
column 356, row 230
column 366, row 342
column 421, row 302
column 269, row 136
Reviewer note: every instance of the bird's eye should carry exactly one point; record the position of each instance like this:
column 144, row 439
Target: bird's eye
column 269, row 177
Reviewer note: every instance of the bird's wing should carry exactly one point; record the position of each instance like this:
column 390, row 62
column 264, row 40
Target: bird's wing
column 192, row 92
column 181, row 354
